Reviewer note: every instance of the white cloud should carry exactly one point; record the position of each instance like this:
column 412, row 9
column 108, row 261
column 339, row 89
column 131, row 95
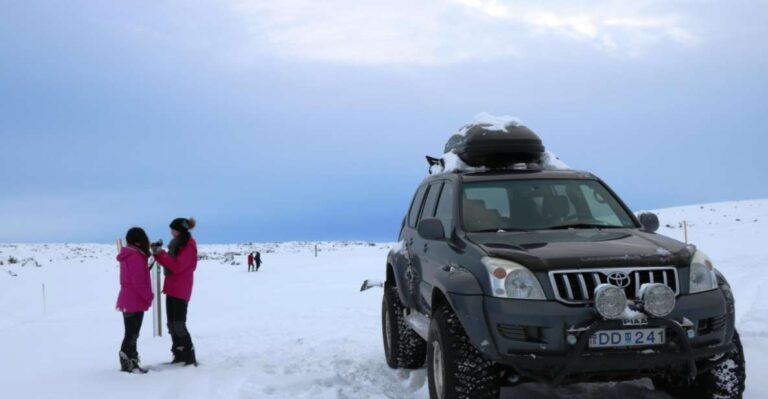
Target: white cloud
column 432, row 32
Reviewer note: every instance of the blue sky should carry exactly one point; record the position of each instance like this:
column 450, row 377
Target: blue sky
column 297, row 119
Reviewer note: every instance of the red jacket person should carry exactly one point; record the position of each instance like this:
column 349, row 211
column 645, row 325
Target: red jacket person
column 180, row 263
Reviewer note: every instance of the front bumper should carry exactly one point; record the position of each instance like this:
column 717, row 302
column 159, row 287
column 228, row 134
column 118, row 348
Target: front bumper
column 531, row 337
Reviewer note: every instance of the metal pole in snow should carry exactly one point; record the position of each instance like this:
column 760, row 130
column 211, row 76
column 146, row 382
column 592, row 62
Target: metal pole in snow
column 685, row 230
column 315, row 250
column 159, row 303
column 45, row 308
column 154, row 308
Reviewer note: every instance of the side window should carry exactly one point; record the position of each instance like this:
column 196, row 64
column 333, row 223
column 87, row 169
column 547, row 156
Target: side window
column 418, row 199
column 445, row 208
column 431, row 203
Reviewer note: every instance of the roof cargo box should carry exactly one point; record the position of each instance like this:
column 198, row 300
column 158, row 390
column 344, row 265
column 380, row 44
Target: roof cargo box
column 486, row 145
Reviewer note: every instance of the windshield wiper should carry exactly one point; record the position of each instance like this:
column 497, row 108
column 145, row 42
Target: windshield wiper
column 497, row 230
column 584, row 226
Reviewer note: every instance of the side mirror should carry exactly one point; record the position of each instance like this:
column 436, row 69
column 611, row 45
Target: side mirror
column 431, row 229
column 649, row 221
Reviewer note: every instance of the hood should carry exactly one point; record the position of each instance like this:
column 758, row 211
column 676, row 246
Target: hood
column 128, row 251
column 565, row 249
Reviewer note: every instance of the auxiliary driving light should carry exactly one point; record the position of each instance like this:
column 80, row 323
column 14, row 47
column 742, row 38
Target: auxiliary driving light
column 610, row 301
column 658, row 299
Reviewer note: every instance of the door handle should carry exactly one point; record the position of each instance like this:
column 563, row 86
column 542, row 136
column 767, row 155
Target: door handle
column 426, row 247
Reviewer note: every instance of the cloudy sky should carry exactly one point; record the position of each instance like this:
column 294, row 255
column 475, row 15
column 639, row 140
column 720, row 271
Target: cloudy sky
column 299, row 119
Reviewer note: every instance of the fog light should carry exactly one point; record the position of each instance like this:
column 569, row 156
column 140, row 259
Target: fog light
column 572, row 340
column 610, row 301
column 691, row 334
column 658, row 299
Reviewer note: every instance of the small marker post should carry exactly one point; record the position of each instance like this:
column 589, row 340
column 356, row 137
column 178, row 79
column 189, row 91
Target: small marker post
column 158, row 301
column 685, row 230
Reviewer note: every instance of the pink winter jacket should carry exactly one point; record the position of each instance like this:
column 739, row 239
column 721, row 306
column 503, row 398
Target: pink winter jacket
column 179, row 283
column 135, row 286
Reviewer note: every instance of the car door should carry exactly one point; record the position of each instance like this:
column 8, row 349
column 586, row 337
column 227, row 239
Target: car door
column 407, row 236
column 440, row 252
column 421, row 247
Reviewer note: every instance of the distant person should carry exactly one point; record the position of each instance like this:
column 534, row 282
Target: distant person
column 180, row 263
column 258, row 260
column 250, row 262
column 135, row 294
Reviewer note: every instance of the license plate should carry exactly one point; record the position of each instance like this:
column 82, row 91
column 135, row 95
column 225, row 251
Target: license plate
column 623, row 338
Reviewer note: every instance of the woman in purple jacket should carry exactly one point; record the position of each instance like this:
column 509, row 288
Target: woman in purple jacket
column 135, row 294
column 180, row 263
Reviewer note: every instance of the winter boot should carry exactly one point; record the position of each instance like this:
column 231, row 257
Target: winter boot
column 130, row 363
column 126, row 364
column 178, row 354
column 190, row 358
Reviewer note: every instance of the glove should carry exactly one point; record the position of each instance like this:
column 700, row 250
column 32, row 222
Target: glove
column 167, row 272
column 156, row 246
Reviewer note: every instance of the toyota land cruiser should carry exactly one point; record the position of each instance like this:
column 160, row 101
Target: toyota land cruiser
column 511, row 275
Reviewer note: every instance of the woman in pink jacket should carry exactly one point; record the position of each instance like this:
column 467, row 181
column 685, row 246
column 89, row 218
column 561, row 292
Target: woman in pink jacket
column 135, row 294
column 180, row 263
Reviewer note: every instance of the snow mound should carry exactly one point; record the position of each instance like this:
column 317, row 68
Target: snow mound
column 550, row 161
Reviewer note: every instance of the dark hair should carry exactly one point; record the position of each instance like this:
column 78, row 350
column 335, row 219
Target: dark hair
column 137, row 237
column 182, row 226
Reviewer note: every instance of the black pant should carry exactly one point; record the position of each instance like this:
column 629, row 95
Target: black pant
column 258, row 265
column 177, row 326
column 132, row 322
column 250, row 266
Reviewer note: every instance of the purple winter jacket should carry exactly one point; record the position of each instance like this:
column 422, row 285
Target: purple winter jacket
column 135, row 284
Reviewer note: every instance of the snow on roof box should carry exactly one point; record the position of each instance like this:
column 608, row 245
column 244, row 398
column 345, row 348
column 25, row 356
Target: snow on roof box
column 496, row 142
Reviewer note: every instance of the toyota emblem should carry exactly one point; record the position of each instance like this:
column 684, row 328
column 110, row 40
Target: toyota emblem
column 619, row 279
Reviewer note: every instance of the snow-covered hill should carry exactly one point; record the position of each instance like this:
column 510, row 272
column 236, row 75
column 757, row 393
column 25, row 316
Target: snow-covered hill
column 299, row 328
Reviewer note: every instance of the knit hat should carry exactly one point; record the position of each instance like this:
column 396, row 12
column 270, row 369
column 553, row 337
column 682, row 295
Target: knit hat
column 183, row 225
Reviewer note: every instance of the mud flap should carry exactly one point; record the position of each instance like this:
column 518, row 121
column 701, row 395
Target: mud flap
column 368, row 284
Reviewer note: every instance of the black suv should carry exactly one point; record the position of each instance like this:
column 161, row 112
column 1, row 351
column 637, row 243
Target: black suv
column 509, row 276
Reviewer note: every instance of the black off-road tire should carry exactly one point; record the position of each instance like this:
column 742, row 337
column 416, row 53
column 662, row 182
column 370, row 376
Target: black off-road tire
column 466, row 373
column 403, row 347
column 725, row 381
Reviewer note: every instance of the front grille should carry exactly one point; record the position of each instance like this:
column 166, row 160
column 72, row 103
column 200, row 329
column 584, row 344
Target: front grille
column 578, row 286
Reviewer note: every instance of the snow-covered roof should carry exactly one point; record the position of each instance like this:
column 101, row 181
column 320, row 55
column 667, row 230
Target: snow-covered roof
column 492, row 122
column 452, row 163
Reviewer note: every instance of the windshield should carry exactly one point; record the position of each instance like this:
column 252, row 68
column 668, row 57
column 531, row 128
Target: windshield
column 515, row 205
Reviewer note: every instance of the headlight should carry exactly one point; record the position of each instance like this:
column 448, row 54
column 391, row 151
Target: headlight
column 512, row 280
column 610, row 301
column 702, row 274
column 658, row 299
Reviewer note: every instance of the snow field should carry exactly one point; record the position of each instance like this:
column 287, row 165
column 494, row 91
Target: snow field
column 299, row 328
